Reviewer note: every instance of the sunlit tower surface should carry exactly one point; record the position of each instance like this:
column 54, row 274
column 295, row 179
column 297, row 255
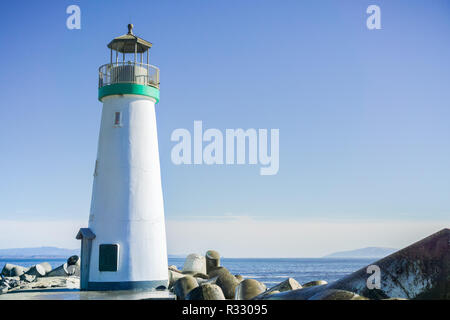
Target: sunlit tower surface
column 125, row 244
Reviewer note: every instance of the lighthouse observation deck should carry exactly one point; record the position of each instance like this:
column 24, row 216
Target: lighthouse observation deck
column 128, row 72
column 128, row 75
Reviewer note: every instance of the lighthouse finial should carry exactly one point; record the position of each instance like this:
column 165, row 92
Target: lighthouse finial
column 130, row 28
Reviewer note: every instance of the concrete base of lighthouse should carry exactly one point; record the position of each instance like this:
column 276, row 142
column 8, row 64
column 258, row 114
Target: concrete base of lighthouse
column 126, row 285
column 75, row 294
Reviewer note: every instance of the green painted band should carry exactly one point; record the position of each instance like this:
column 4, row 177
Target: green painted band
column 128, row 88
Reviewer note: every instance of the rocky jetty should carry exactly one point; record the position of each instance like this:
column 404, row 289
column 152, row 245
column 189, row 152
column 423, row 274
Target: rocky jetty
column 419, row 271
column 40, row 276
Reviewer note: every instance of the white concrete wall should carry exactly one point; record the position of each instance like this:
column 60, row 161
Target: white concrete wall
column 127, row 201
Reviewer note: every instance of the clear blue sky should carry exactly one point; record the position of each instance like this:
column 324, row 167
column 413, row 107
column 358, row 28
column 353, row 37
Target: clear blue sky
column 364, row 116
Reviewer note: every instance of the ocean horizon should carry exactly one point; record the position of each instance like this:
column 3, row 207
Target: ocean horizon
column 270, row 271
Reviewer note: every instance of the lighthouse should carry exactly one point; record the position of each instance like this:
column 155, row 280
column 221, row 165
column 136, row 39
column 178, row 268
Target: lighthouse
column 124, row 246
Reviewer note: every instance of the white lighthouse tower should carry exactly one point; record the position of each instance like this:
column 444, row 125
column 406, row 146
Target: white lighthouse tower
column 125, row 244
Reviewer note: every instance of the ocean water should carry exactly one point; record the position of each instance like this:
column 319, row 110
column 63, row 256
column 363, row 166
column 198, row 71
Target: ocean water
column 270, row 271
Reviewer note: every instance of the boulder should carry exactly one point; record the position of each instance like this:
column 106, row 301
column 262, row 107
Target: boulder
column 194, row 263
column 5, row 283
column 248, row 289
column 6, row 271
column 217, row 271
column 298, row 294
column 419, row 271
column 227, row 282
column 38, row 270
column 73, row 260
column 174, row 268
column 174, row 276
column 4, row 289
column 287, row 285
column 182, row 286
column 12, row 270
column 314, row 283
column 61, row 271
column 73, row 270
column 212, row 260
column 239, row 277
column 210, row 280
column 27, row 278
column 206, row 291
column 17, row 271
column 47, row 266
column 201, row 275
column 12, row 282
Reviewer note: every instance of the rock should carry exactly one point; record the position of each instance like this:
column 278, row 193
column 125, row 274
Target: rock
column 12, row 270
column 6, row 271
column 212, row 260
column 334, row 294
column 9, row 279
column 314, row 283
column 248, row 289
column 227, row 282
column 73, row 260
column 4, row 289
column 13, row 283
column 419, row 271
column 200, row 281
column 37, row 270
column 17, row 271
column 182, row 286
column 27, row 277
column 239, row 277
column 174, row 268
column 47, row 267
column 286, row 285
column 194, row 263
column 5, row 283
column 298, row 294
column 73, row 270
column 274, row 291
column 174, row 276
column 206, row 291
column 61, row 271
column 217, row 271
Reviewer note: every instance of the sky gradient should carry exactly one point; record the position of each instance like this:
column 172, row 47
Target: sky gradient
column 363, row 117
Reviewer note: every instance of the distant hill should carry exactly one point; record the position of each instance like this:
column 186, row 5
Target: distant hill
column 38, row 252
column 369, row 252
